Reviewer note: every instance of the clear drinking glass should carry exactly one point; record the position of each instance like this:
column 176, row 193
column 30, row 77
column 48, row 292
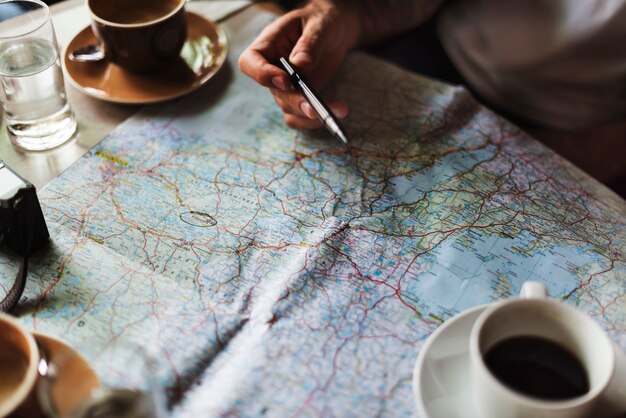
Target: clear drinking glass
column 38, row 115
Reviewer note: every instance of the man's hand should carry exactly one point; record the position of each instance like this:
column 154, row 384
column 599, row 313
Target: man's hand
column 315, row 39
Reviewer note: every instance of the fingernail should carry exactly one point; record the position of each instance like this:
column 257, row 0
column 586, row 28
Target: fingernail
column 339, row 111
column 280, row 83
column 307, row 110
column 301, row 58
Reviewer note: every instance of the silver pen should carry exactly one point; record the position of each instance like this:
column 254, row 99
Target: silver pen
column 321, row 110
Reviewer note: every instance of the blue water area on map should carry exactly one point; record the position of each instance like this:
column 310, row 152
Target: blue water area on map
column 411, row 189
column 474, row 269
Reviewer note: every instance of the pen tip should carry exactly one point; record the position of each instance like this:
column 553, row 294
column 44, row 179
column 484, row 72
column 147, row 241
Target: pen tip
column 343, row 138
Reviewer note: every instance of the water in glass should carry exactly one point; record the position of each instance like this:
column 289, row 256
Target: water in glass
column 37, row 111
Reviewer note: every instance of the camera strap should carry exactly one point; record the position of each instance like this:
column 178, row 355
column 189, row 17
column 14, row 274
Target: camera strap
column 15, row 293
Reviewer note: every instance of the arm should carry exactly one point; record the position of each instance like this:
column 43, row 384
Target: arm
column 316, row 39
column 382, row 19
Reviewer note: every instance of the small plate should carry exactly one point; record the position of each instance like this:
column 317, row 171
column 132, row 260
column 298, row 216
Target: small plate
column 202, row 56
column 441, row 375
column 75, row 379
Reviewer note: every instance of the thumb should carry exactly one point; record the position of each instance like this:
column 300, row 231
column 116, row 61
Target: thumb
column 309, row 47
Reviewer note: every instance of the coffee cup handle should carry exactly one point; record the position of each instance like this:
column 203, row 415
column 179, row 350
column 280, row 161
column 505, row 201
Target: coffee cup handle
column 88, row 53
column 533, row 290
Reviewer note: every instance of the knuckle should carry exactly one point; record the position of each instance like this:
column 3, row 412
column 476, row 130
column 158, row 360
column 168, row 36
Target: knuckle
column 283, row 106
column 242, row 61
column 287, row 102
column 292, row 121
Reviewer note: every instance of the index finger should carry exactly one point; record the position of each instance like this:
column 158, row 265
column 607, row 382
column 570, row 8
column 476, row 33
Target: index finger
column 256, row 66
column 275, row 41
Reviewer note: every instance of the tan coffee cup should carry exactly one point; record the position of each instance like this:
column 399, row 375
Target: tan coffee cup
column 19, row 357
column 139, row 35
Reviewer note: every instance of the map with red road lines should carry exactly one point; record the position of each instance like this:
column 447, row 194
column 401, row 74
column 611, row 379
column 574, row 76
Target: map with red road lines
column 277, row 276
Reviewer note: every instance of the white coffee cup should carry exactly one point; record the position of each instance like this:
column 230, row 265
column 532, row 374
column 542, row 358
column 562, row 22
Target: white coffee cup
column 535, row 315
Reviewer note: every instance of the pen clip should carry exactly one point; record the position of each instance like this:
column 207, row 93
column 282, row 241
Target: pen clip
column 287, row 66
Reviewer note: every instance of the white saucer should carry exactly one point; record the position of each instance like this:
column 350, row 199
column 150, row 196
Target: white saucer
column 441, row 375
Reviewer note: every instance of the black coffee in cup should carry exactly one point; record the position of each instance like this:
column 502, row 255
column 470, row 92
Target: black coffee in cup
column 537, row 367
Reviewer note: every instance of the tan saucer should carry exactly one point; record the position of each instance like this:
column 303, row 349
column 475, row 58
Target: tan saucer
column 202, row 56
column 75, row 380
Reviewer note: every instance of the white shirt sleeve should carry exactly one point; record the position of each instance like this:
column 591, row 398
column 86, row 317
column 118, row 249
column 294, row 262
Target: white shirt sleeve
column 558, row 63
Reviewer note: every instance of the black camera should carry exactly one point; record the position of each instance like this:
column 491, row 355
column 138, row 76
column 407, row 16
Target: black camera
column 22, row 225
